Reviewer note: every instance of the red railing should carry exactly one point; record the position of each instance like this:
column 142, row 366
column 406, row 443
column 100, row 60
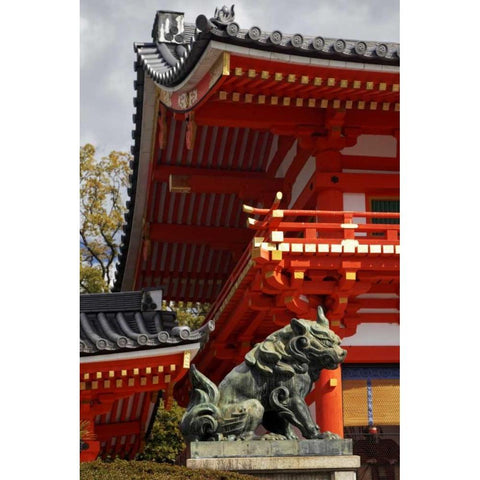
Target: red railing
column 321, row 229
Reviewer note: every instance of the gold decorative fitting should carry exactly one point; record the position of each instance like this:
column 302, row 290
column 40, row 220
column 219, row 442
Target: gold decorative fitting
column 226, row 63
column 186, row 359
column 351, row 276
column 238, row 71
column 299, row 275
column 148, row 370
column 361, row 105
column 373, row 105
column 317, row 81
column 291, row 78
column 348, row 104
column 173, row 367
column 299, row 102
column 124, row 373
column 343, row 300
column 274, row 100
column 286, row 101
column 382, row 87
column 324, row 103
column 278, row 77
column 357, row 84
column 323, row 248
column 111, row 373
column 304, row 80
column 310, row 248
column 336, row 104
column 143, row 381
column 136, row 371
column 119, row 383
column 261, row 99
column 248, row 98
column 83, row 386
column 94, row 385
column 277, row 255
column 311, row 102
column 235, row 96
column 397, row 107
column 167, row 378
column 369, row 85
column 99, row 375
column 343, row 83
column 396, row 87
column 131, row 382
column 252, row 73
column 155, row 379
column 86, row 376
column 222, row 95
column 331, row 82
column 160, row 368
column 265, row 75
column 386, row 106
column 333, row 382
column 106, row 384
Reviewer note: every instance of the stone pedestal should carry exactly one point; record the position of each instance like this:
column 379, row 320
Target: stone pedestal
column 279, row 459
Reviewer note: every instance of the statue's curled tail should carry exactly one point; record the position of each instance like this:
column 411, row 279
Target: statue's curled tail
column 202, row 418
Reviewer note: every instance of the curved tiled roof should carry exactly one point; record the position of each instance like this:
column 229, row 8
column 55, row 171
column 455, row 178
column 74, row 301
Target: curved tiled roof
column 169, row 63
column 107, row 329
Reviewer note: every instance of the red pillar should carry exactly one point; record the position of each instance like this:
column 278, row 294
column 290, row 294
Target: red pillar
column 328, row 401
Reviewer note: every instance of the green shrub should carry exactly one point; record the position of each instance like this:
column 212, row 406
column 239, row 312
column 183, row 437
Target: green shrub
column 165, row 441
column 145, row 470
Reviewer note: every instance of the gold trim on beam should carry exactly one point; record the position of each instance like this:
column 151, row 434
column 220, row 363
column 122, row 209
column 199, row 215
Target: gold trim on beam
column 226, row 64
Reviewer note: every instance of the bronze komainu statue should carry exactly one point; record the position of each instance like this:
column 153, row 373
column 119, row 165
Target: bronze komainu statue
column 268, row 388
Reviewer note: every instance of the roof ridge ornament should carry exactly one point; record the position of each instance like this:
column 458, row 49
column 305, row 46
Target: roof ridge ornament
column 223, row 16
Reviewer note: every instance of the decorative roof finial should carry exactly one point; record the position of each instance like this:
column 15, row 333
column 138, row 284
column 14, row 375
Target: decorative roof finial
column 223, row 16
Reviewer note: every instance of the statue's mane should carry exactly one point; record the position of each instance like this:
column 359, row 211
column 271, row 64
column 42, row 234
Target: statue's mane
column 274, row 355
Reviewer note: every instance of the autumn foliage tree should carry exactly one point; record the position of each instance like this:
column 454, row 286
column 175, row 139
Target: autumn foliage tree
column 102, row 208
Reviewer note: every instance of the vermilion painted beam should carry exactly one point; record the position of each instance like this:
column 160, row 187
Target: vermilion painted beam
column 370, row 163
column 246, row 186
column 372, row 354
column 268, row 116
column 216, row 237
column 358, row 182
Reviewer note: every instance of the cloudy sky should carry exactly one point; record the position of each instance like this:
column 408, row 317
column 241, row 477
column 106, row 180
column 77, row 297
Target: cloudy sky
column 108, row 29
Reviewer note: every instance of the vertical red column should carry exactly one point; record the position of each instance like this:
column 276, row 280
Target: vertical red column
column 328, row 401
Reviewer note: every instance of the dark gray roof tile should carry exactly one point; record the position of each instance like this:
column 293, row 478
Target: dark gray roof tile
column 114, row 322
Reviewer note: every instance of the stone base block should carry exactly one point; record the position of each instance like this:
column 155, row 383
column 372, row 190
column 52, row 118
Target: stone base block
column 321, row 467
column 271, row 448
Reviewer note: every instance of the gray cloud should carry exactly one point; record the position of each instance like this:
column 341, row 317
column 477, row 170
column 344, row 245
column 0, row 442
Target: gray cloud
column 108, row 29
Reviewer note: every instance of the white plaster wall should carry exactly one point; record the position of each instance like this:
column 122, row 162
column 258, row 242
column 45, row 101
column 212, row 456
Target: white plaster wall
column 287, row 161
column 355, row 202
column 373, row 145
column 385, row 334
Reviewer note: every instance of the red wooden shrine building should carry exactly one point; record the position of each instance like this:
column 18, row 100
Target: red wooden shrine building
column 131, row 354
column 266, row 181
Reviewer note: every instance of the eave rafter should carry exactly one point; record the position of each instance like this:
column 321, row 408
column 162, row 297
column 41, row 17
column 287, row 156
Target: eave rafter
column 216, row 237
